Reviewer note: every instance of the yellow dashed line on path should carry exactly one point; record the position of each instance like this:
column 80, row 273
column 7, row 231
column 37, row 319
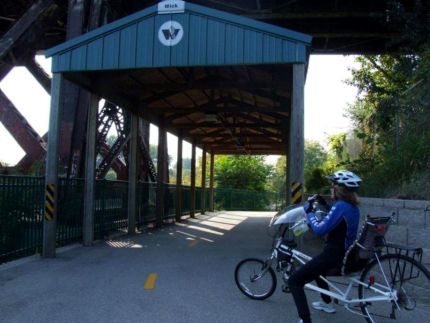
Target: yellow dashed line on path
column 150, row 281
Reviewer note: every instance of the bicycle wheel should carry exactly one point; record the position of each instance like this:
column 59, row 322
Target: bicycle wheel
column 410, row 282
column 255, row 278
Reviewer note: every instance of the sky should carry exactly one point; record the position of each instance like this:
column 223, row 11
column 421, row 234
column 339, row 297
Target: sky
column 326, row 98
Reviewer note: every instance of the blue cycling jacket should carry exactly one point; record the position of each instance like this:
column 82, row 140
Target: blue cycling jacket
column 339, row 211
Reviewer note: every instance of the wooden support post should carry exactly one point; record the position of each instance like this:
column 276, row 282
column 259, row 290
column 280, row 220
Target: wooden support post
column 193, row 181
column 132, row 173
column 287, row 182
column 211, row 184
column 90, row 172
column 296, row 142
column 179, row 180
column 51, row 173
column 203, row 195
column 160, row 175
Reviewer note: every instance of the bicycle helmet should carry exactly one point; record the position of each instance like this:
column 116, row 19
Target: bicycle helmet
column 345, row 178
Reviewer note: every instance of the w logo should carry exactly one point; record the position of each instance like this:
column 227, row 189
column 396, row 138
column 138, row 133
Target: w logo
column 170, row 33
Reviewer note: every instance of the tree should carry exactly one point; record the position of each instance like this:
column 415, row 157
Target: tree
column 315, row 158
column 278, row 179
column 242, row 172
column 391, row 117
column 249, row 173
column 315, row 155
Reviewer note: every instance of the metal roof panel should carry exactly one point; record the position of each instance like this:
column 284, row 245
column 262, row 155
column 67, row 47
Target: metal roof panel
column 198, row 36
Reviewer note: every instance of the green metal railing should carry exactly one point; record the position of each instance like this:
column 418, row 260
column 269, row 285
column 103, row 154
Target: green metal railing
column 22, row 209
column 146, row 200
column 70, row 206
column 236, row 199
column 110, row 207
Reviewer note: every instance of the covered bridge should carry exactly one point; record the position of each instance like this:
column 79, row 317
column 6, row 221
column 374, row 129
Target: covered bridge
column 225, row 83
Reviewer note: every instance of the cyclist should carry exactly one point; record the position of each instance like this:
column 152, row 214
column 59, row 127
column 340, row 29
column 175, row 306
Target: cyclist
column 341, row 226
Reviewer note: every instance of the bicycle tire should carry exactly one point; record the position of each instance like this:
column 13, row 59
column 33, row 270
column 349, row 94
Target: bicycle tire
column 255, row 278
column 411, row 281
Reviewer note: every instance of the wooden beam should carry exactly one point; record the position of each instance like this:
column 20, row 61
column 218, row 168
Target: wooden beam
column 226, row 125
column 295, row 158
column 211, row 183
column 90, row 171
column 234, row 145
column 179, row 180
column 90, row 84
column 161, row 181
column 215, row 84
column 209, row 108
column 255, row 140
column 132, row 174
column 203, row 190
column 193, row 181
column 254, row 137
column 265, row 90
column 51, row 171
column 249, row 152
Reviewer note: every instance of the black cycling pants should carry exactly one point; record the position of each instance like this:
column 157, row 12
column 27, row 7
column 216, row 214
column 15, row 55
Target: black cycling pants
column 330, row 258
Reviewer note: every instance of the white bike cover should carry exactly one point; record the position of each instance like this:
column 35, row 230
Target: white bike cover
column 290, row 214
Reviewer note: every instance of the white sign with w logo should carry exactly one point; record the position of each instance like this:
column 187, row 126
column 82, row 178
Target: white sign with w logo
column 170, row 33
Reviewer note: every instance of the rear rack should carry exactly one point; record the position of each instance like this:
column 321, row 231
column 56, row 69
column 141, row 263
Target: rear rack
column 412, row 252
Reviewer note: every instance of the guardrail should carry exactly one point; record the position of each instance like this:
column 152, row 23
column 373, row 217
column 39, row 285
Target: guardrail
column 22, row 207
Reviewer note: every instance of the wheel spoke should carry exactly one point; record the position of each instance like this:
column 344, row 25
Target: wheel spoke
column 255, row 279
column 409, row 282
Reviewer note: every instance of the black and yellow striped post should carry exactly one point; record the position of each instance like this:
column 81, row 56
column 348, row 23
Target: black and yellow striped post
column 49, row 202
column 296, row 192
column 51, row 168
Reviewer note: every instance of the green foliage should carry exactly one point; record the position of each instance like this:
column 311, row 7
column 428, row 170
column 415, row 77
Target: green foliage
column 153, row 152
column 336, row 146
column 316, row 181
column 315, row 155
column 315, row 159
column 242, row 172
column 391, row 118
column 111, row 175
column 278, row 179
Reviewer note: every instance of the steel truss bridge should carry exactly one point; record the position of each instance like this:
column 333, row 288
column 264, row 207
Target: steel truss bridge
column 29, row 27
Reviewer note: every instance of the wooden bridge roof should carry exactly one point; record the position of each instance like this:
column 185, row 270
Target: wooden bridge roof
column 221, row 80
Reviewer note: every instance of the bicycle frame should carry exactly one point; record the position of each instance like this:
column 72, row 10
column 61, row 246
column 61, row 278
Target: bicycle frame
column 385, row 292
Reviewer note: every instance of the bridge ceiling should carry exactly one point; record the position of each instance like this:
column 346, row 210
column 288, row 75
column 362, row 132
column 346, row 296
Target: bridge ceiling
column 226, row 109
column 342, row 27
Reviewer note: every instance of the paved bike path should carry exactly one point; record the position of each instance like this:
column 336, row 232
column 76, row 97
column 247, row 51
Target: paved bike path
column 182, row 273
